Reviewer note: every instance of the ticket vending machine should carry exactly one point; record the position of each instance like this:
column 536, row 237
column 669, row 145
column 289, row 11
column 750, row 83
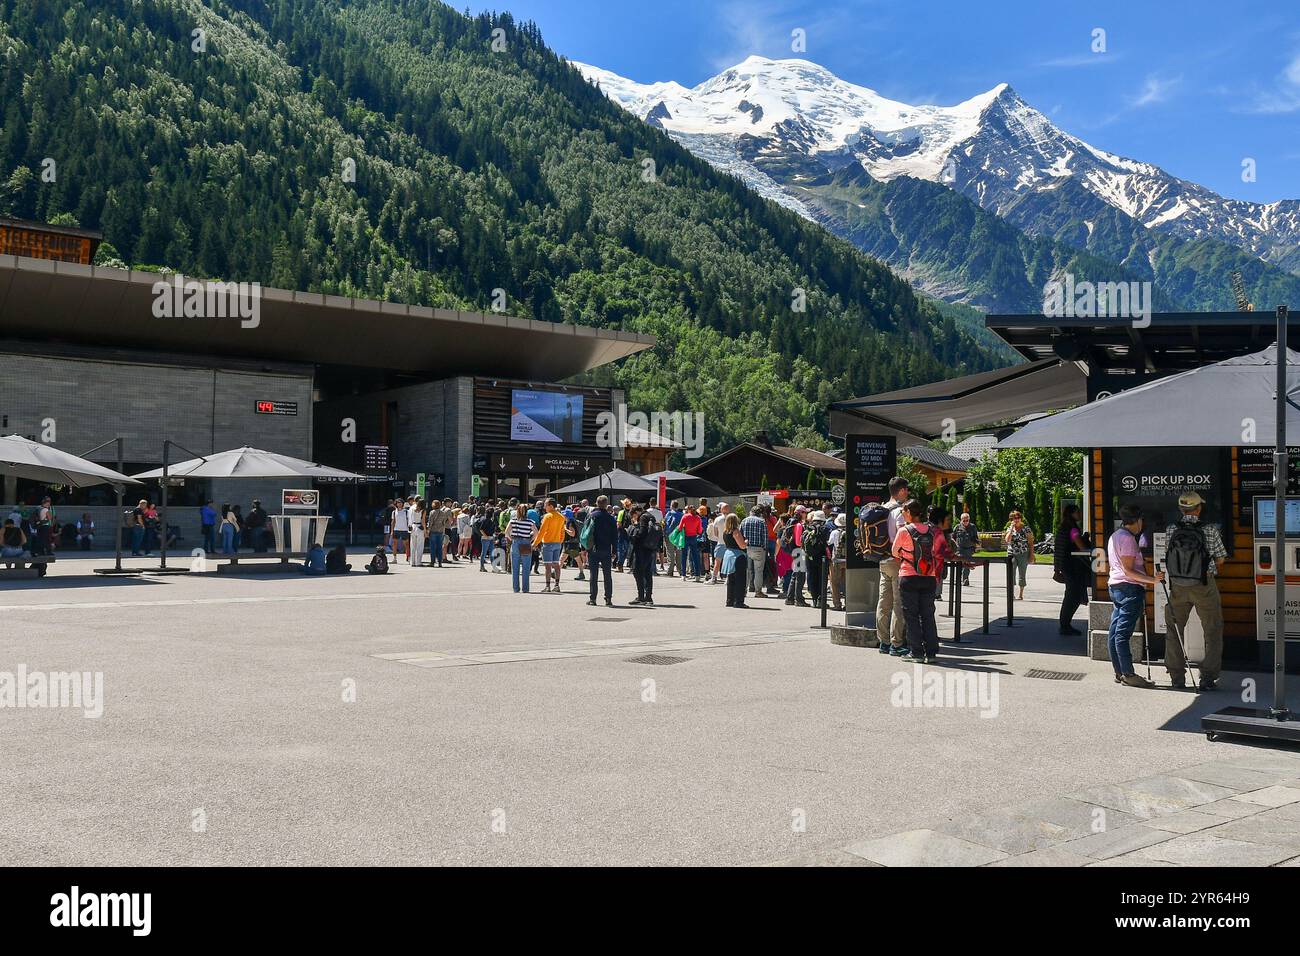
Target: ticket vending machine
column 1266, row 561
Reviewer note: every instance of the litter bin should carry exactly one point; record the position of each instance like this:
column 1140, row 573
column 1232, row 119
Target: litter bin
column 296, row 534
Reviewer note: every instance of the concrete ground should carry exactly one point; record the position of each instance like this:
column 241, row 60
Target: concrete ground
column 432, row 716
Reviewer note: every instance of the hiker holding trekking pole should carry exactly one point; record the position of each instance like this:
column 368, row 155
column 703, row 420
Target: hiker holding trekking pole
column 1193, row 550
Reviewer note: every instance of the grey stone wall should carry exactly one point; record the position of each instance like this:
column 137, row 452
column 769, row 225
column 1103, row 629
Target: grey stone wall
column 88, row 401
column 434, row 430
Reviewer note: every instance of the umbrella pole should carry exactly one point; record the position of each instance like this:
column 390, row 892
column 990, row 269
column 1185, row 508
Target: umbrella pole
column 117, row 537
column 162, row 551
column 1280, row 471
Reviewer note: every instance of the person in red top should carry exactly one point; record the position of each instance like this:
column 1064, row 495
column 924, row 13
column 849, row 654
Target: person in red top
column 692, row 527
column 915, row 547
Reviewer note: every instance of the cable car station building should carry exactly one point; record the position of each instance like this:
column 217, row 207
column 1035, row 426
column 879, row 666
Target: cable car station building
column 381, row 388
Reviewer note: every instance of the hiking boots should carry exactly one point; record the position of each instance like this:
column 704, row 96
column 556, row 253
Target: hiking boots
column 1133, row 680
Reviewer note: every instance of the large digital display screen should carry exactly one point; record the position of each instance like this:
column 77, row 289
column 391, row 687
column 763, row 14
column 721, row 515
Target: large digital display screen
column 545, row 417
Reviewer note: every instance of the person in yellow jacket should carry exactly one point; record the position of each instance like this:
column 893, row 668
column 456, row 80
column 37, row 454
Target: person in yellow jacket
column 550, row 537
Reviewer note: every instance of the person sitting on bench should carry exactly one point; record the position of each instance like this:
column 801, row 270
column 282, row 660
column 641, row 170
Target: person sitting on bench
column 86, row 532
column 336, row 562
column 13, row 543
column 315, row 563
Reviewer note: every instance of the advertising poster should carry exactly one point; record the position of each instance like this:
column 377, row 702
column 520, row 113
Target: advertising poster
column 545, row 417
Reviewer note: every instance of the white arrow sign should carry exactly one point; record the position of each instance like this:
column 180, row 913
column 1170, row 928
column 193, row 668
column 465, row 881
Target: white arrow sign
column 530, row 464
column 502, row 464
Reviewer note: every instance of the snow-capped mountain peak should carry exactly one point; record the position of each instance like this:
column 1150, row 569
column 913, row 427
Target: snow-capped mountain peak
column 763, row 113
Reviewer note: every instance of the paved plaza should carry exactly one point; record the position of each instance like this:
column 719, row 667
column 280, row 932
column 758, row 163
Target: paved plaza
column 432, row 716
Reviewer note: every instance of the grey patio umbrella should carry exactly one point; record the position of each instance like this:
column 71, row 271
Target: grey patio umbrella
column 1220, row 404
column 247, row 462
column 686, row 484
column 25, row 458
column 614, row 482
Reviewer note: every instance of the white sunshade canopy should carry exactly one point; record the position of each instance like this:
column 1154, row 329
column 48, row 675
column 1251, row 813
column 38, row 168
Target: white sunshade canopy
column 248, row 462
column 24, row 458
column 1233, row 402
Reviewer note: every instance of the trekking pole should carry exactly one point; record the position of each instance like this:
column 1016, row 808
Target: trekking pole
column 1173, row 626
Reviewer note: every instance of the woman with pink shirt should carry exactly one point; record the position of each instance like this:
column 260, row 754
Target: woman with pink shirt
column 1127, row 585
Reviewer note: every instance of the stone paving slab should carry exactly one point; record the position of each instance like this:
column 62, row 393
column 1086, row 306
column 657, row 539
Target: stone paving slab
column 1204, row 848
column 1164, row 820
column 825, row 858
column 1271, row 796
column 1048, row 856
column 925, row 848
column 1121, row 840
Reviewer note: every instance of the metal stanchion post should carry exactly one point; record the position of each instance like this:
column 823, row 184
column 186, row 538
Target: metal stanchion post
column 954, row 591
column 951, row 568
column 1011, row 592
column 986, row 596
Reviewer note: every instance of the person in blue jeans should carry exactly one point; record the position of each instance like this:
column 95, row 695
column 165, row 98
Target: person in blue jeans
column 521, row 532
column 1127, row 585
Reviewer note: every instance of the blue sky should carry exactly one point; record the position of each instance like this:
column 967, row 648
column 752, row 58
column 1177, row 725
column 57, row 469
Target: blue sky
column 1194, row 87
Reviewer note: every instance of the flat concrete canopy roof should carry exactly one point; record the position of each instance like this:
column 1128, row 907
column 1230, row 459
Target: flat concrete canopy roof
column 970, row 401
column 61, row 301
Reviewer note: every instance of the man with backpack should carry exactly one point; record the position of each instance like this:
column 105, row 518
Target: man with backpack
column 889, row 617
column 816, row 543
column 1192, row 553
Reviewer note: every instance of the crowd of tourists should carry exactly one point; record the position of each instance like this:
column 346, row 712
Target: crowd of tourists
column 797, row 557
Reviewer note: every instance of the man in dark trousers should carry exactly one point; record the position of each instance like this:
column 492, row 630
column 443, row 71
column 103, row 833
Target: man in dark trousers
column 600, row 548
column 256, row 524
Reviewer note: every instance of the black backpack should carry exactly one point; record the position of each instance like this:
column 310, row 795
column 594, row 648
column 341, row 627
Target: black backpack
column 815, row 545
column 874, row 532
column 1187, row 556
column 652, row 539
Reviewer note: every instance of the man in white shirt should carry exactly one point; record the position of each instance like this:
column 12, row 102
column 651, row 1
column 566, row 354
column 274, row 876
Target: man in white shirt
column 889, row 608
column 715, row 539
column 402, row 528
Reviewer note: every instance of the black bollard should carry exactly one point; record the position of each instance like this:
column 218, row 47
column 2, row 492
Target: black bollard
column 1011, row 592
column 955, row 586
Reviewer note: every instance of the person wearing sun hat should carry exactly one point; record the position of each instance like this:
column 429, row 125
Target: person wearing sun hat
column 1193, row 551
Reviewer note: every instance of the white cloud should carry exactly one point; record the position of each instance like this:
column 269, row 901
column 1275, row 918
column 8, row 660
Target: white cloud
column 1284, row 95
column 1156, row 89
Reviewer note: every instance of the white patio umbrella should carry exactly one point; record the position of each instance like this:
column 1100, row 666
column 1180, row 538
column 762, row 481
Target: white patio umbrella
column 246, row 462
column 24, row 458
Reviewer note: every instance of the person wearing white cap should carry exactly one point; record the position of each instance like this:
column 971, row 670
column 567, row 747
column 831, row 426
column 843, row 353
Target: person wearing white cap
column 1193, row 550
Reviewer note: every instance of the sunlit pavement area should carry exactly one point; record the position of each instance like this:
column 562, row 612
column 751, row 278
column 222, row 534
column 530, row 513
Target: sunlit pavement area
column 432, row 716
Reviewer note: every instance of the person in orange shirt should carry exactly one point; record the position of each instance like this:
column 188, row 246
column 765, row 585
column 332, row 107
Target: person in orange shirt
column 550, row 536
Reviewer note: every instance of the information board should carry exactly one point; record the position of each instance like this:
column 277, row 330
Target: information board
column 870, row 461
column 1255, row 477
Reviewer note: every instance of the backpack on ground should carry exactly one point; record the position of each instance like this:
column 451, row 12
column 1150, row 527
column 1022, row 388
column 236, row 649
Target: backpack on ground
column 923, row 560
column 1187, row 556
column 873, row 533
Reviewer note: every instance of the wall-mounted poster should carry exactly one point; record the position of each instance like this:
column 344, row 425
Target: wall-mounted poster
column 1154, row 478
column 546, row 416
